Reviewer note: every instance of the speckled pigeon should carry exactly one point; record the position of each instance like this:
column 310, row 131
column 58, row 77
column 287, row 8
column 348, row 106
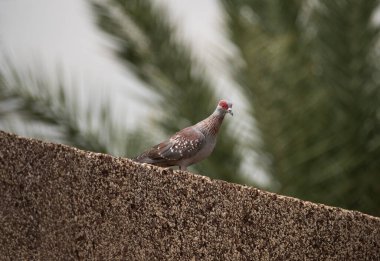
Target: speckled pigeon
column 190, row 145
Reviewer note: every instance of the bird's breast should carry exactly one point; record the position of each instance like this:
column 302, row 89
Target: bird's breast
column 204, row 152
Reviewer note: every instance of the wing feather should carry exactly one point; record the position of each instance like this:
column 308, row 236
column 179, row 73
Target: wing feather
column 182, row 145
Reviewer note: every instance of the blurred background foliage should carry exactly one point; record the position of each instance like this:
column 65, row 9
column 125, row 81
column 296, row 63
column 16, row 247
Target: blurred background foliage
column 33, row 106
column 309, row 71
column 311, row 74
column 148, row 46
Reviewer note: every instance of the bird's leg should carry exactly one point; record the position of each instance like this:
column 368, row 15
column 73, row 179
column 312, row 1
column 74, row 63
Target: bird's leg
column 182, row 167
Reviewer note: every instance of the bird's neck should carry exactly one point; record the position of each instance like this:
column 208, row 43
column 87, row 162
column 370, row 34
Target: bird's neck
column 211, row 125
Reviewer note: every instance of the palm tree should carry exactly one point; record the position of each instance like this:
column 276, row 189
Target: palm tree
column 147, row 45
column 32, row 106
column 311, row 76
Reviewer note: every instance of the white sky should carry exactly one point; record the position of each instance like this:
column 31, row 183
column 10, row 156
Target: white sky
column 56, row 33
column 61, row 34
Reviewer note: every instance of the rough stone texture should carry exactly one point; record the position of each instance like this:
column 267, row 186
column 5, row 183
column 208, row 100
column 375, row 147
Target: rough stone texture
column 59, row 202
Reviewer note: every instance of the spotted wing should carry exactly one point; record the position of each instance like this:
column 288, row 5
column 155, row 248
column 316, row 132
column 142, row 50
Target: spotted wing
column 182, row 145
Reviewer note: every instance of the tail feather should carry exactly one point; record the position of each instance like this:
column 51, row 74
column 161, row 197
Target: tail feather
column 158, row 161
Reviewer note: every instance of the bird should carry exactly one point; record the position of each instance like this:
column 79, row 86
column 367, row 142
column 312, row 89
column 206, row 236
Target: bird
column 189, row 145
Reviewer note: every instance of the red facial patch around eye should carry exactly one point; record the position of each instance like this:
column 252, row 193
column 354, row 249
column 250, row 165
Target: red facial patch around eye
column 223, row 104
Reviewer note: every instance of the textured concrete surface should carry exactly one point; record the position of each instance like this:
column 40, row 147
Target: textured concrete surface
column 58, row 202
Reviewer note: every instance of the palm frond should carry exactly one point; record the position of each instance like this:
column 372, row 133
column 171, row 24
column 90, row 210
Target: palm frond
column 35, row 107
column 147, row 45
column 310, row 72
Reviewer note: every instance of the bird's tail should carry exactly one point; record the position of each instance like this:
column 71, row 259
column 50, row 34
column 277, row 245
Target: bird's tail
column 144, row 158
column 141, row 158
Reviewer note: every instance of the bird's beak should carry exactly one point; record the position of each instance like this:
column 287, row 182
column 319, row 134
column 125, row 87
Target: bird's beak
column 230, row 111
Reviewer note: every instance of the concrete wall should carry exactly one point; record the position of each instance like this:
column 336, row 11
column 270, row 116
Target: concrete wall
column 58, row 202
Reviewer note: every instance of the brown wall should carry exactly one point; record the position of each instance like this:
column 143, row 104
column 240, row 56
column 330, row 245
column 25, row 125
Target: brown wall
column 58, row 202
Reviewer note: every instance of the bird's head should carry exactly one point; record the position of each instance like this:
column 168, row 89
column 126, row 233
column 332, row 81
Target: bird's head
column 225, row 107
